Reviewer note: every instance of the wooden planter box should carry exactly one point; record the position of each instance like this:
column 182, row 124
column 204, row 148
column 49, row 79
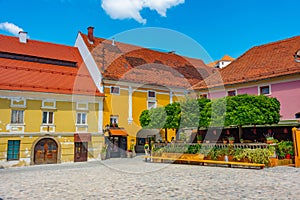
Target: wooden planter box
column 284, row 162
column 273, row 162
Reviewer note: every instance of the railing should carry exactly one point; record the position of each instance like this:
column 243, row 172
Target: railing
column 217, row 145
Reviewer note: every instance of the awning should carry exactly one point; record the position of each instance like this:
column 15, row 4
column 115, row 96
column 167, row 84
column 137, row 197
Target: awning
column 118, row 132
column 82, row 137
column 144, row 133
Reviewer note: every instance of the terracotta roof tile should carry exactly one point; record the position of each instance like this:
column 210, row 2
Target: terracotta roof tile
column 33, row 76
column 261, row 62
column 136, row 64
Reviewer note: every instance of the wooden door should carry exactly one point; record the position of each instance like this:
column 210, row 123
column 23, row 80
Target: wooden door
column 80, row 151
column 45, row 152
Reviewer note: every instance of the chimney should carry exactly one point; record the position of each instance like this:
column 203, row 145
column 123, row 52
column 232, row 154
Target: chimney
column 23, row 37
column 113, row 42
column 91, row 34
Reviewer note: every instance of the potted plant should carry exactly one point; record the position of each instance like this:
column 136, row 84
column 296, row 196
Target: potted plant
column 130, row 151
column 224, row 141
column 231, row 139
column 242, row 140
column 199, row 139
column 269, row 138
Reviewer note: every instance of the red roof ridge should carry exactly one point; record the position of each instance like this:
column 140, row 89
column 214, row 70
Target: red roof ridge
column 276, row 42
column 36, row 48
column 40, row 41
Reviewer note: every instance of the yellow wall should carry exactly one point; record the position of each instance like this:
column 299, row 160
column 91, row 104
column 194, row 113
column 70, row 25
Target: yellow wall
column 33, row 116
column 65, row 117
column 4, row 114
column 64, row 121
column 118, row 105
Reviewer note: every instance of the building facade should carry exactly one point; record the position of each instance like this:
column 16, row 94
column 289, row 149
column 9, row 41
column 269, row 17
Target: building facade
column 50, row 108
column 134, row 79
column 271, row 69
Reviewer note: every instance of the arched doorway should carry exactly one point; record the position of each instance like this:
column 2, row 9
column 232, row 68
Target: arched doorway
column 45, row 151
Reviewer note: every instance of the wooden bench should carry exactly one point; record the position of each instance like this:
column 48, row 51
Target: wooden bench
column 202, row 162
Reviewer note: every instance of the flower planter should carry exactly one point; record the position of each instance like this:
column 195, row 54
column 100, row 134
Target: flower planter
column 273, row 162
column 285, row 162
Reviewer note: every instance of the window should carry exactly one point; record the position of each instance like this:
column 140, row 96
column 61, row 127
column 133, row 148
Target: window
column 17, row 116
column 297, row 115
column 151, row 94
column 114, row 90
column 81, row 118
column 203, row 96
column 114, row 120
column 47, row 117
column 13, row 149
column 264, row 90
column 231, row 93
column 151, row 104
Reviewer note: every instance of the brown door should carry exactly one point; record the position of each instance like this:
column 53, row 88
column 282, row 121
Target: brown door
column 80, row 151
column 45, row 152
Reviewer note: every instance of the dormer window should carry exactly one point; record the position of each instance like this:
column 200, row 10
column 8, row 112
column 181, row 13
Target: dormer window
column 297, row 56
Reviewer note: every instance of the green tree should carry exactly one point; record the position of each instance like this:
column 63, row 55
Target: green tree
column 153, row 118
column 252, row 110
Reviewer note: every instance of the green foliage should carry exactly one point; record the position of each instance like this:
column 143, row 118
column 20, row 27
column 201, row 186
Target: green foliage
column 257, row 155
column 194, row 149
column 250, row 109
column 189, row 113
column 145, row 118
column 283, row 148
column 199, row 137
column 173, row 112
column 153, row 118
column 213, row 114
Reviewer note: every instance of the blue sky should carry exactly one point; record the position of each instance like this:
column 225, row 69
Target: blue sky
column 220, row 27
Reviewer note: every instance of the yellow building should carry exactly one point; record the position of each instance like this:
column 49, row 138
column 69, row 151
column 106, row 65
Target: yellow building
column 134, row 79
column 50, row 109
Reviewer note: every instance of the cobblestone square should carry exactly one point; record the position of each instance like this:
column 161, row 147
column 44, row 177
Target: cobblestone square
column 125, row 178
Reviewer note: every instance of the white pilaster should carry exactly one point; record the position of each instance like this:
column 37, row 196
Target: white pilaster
column 100, row 117
column 171, row 96
column 130, row 119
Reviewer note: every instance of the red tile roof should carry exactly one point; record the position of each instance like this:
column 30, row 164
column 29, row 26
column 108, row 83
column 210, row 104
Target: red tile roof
column 33, row 76
column 140, row 65
column 261, row 62
column 38, row 49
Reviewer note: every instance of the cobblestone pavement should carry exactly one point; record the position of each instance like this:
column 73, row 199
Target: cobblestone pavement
column 125, row 178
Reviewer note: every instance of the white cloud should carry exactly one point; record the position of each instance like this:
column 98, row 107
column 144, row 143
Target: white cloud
column 130, row 9
column 11, row 28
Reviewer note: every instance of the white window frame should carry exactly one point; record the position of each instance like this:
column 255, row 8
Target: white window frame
column 112, row 90
column 11, row 117
column 80, row 120
column 47, row 120
column 149, row 101
column 261, row 86
column 153, row 92
column 235, row 91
